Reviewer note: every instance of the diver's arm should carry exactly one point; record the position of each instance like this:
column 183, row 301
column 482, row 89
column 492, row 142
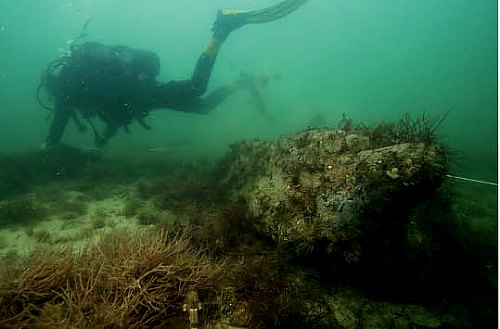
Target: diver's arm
column 173, row 95
column 60, row 116
column 202, row 105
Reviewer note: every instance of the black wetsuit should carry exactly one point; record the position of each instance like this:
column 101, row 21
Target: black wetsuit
column 118, row 84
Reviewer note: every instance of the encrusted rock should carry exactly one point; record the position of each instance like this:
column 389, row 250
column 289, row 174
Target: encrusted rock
column 315, row 186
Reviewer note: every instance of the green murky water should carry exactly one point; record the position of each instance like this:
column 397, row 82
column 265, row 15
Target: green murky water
column 372, row 60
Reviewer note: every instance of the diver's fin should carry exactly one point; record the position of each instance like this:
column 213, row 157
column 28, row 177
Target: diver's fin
column 229, row 20
column 273, row 12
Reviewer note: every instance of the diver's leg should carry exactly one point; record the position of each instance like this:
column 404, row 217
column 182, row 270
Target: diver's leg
column 204, row 66
column 223, row 26
column 226, row 22
column 60, row 117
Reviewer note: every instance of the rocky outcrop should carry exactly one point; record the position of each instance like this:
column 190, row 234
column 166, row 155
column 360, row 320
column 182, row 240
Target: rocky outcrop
column 315, row 189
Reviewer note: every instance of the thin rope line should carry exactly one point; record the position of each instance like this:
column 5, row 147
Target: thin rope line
column 473, row 180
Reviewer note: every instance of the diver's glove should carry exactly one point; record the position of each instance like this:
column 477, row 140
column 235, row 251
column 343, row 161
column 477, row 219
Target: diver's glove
column 226, row 22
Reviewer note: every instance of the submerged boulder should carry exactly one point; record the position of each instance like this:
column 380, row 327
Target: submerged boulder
column 318, row 189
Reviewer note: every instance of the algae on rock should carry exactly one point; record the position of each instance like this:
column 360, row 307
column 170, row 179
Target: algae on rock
column 311, row 189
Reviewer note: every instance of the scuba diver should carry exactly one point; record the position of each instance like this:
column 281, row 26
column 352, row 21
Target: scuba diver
column 118, row 84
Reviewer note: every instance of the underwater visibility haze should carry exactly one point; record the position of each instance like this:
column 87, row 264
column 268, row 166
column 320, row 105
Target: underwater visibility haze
column 372, row 61
column 320, row 195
